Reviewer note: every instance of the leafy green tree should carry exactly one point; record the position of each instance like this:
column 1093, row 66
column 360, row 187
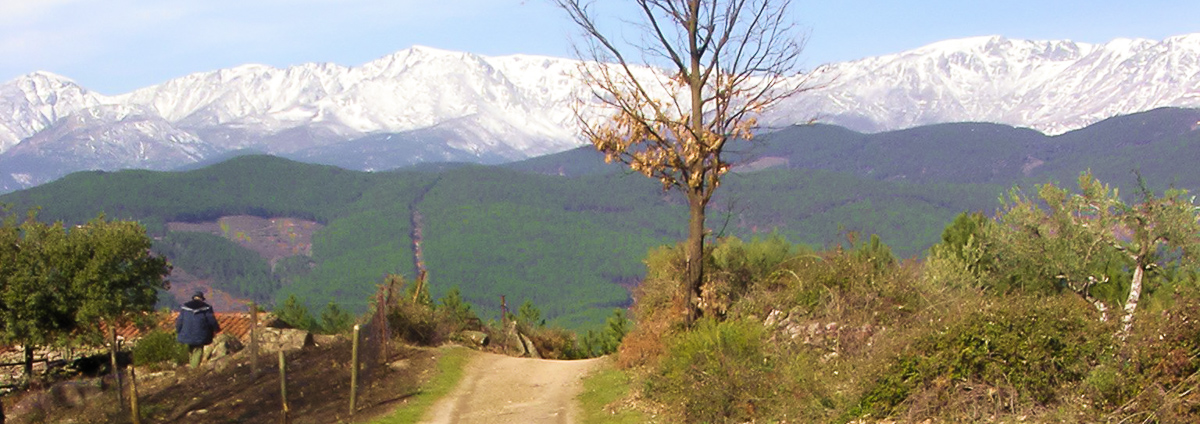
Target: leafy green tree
column 335, row 320
column 57, row 285
column 34, row 298
column 296, row 314
column 418, row 292
column 529, row 315
column 590, row 344
column 117, row 275
column 457, row 309
column 967, row 226
column 615, row 329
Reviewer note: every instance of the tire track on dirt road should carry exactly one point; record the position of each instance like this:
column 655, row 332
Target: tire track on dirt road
column 506, row 390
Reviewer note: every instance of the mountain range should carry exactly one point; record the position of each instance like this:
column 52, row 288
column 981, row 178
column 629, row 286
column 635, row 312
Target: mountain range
column 428, row 105
column 570, row 232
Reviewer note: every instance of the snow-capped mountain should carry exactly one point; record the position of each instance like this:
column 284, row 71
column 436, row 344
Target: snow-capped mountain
column 424, row 104
column 1050, row 86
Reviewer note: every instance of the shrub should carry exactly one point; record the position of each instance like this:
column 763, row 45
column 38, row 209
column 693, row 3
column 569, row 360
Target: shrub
column 295, row 314
column 1160, row 375
column 417, row 323
column 717, row 372
column 159, row 346
column 334, row 320
column 555, row 343
column 658, row 308
column 1030, row 348
column 457, row 311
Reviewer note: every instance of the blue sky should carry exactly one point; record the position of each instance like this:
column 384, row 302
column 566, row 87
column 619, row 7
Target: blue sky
column 114, row 46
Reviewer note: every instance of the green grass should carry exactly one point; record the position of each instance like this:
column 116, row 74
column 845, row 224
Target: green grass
column 603, row 387
column 449, row 371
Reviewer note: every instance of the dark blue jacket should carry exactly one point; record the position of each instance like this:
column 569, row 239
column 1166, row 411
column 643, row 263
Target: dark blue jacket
column 196, row 323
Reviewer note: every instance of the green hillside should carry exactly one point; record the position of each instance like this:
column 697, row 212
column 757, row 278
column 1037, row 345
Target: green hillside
column 569, row 232
column 573, row 246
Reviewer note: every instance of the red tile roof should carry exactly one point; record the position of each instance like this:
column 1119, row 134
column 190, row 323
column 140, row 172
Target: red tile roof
column 236, row 324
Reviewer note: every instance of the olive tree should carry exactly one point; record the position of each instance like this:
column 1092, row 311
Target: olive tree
column 1082, row 241
column 726, row 61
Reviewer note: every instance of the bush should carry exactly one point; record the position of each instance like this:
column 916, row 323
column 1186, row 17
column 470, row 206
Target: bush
column 295, row 314
column 458, row 312
column 1160, row 376
column 417, row 323
column 1022, row 349
column 658, row 308
column 555, row 343
column 335, row 320
column 718, row 372
column 159, row 346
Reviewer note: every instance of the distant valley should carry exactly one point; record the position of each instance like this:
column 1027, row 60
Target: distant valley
column 569, row 232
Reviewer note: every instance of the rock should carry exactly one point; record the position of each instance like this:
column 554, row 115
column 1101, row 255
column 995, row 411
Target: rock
column 831, row 327
column 271, row 340
column 775, row 318
column 326, row 339
column 530, row 350
column 476, row 338
column 225, row 345
column 400, row 365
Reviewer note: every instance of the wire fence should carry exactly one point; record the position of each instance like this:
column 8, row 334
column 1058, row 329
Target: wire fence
column 376, row 332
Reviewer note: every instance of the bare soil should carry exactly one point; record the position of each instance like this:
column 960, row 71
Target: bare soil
column 501, row 389
column 273, row 239
column 318, row 390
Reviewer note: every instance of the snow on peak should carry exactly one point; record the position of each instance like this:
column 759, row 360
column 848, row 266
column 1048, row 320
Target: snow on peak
column 45, row 76
column 523, row 103
column 32, row 102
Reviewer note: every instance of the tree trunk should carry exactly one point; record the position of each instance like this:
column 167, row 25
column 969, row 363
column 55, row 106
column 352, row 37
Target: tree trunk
column 695, row 189
column 1135, row 293
column 695, row 256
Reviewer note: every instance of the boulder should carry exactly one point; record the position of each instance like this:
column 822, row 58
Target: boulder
column 325, row 339
column 271, row 340
column 224, row 345
column 474, row 338
column 527, row 345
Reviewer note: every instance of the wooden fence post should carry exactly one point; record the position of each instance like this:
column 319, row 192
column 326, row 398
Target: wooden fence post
column 380, row 321
column 283, row 387
column 253, row 340
column 354, row 371
column 112, row 329
column 135, row 411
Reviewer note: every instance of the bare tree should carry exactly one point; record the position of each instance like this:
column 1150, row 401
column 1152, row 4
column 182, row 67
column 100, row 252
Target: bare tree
column 725, row 62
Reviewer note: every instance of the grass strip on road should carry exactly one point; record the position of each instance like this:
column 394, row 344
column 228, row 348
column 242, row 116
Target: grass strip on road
column 603, row 387
column 450, row 366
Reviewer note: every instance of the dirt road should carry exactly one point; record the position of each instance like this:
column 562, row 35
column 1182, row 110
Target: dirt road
column 502, row 389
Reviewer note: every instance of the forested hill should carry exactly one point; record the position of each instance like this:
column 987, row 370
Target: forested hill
column 568, row 232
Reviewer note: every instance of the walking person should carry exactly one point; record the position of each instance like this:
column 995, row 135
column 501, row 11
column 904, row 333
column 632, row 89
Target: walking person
column 196, row 326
